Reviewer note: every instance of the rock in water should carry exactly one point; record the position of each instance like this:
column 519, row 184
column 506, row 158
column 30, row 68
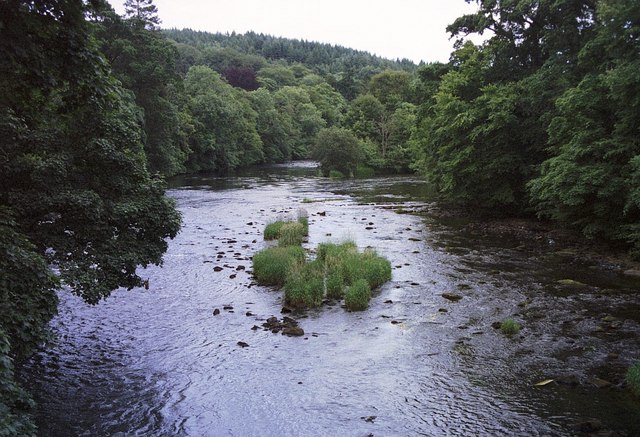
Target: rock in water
column 451, row 296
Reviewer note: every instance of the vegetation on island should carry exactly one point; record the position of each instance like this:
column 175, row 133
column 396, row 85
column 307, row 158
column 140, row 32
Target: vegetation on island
column 338, row 271
column 543, row 118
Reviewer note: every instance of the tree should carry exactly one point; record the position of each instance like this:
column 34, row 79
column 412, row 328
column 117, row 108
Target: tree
column 145, row 63
column 143, row 13
column 224, row 135
column 75, row 191
column 591, row 180
column 337, row 149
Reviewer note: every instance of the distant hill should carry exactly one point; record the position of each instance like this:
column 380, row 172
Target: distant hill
column 320, row 57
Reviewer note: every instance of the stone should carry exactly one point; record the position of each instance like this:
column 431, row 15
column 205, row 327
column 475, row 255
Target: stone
column 632, row 272
column 216, row 312
column 571, row 283
column 217, row 269
column 242, row 344
column 293, row 331
column 451, row 296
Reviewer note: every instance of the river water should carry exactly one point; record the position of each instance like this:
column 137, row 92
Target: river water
column 158, row 362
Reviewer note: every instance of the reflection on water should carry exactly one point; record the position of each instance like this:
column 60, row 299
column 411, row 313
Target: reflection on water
column 158, row 362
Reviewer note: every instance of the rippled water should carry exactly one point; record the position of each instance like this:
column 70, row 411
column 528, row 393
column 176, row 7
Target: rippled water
column 158, row 362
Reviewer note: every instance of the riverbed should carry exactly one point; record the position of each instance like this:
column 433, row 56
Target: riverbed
column 158, row 362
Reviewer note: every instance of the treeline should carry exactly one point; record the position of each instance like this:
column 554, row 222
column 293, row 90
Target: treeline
column 542, row 118
column 212, row 102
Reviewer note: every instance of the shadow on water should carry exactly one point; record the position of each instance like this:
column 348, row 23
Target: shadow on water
column 158, row 362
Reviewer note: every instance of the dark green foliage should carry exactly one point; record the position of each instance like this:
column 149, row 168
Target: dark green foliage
column 337, row 149
column 334, row 282
column 28, row 302
column 632, row 378
column 304, row 287
column 271, row 266
column 357, row 295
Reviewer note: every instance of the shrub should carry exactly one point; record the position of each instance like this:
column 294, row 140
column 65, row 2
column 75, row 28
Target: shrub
column 509, row 327
column 364, row 172
column 271, row 266
column 291, row 234
column 357, row 295
column 272, row 230
column 633, row 378
column 335, row 174
column 304, row 287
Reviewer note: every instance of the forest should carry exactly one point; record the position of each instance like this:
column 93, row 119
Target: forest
column 97, row 109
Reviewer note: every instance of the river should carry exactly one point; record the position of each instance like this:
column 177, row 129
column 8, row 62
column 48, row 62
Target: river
column 157, row 362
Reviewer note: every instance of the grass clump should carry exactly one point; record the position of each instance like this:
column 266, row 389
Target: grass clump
column 339, row 270
column 304, row 287
column 291, row 234
column 368, row 266
column 272, row 230
column 632, row 378
column 357, row 296
column 272, row 266
column 509, row 327
column 335, row 174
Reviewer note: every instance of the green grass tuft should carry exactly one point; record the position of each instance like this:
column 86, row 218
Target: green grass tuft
column 272, row 266
column 304, row 287
column 272, row 230
column 632, row 378
column 291, row 234
column 357, row 295
column 509, row 327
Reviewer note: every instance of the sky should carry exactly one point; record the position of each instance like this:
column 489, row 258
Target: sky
column 412, row 29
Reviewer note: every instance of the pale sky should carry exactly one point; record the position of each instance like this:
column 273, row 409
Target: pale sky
column 413, row 29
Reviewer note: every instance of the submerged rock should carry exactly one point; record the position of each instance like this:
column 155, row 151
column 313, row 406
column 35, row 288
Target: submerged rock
column 632, row 272
column 451, row 296
column 571, row 283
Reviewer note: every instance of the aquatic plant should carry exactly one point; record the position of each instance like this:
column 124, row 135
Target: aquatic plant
column 271, row 266
column 291, row 234
column 304, row 287
column 272, row 230
column 357, row 296
column 632, row 378
column 509, row 327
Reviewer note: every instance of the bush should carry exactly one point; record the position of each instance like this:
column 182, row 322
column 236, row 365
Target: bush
column 291, row 234
column 304, row 287
column 364, row 172
column 272, row 230
column 633, row 378
column 335, row 174
column 509, row 327
column 357, row 295
column 271, row 266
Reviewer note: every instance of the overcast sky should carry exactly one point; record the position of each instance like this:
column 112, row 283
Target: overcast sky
column 413, row 29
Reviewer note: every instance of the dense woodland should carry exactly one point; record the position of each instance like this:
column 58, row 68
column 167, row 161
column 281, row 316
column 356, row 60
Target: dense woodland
column 96, row 109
